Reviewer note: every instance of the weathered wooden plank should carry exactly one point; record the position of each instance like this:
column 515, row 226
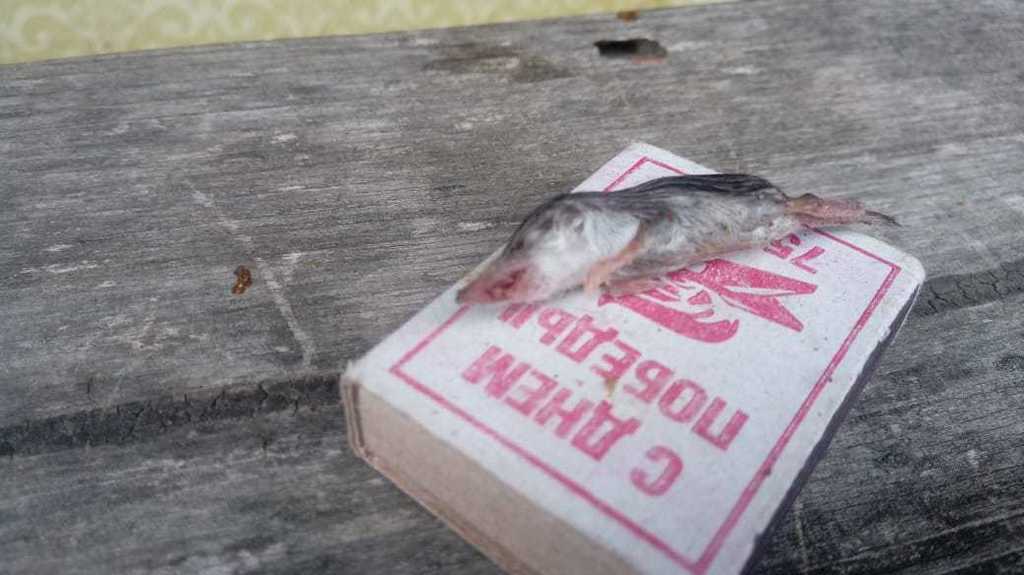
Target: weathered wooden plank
column 925, row 477
column 358, row 177
column 357, row 173
column 279, row 493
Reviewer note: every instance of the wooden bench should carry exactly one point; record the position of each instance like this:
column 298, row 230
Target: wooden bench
column 152, row 421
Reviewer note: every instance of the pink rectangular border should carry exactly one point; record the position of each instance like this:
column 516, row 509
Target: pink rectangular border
column 701, row 564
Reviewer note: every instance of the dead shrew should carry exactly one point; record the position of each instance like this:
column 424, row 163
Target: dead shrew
column 621, row 241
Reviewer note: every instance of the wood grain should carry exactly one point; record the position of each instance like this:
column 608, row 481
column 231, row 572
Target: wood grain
column 155, row 422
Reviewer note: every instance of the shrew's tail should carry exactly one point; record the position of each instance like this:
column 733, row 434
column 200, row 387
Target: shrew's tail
column 814, row 211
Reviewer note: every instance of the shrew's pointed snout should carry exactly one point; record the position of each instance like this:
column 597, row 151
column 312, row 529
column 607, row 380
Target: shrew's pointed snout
column 499, row 283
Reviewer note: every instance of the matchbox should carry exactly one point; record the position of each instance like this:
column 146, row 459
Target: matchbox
column 651, row 433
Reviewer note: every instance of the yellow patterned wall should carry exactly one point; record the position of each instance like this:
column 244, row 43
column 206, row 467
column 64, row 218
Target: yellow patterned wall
column 42, row 29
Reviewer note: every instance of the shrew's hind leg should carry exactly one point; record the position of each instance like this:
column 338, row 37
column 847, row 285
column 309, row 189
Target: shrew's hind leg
column 603, row 270
column 630, row 286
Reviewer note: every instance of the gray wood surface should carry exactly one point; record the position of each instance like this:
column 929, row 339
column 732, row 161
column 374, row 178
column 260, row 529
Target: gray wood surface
column 153, row 422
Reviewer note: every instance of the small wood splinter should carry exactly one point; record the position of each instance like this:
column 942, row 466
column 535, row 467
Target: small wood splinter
column 243, row 279
column 621, row 241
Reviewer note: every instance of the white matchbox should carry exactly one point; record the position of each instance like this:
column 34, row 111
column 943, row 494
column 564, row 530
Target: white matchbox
column 659, row 432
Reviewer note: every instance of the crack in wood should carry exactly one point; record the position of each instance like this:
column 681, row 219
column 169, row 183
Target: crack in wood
column 950, row 292
column 142, row 420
